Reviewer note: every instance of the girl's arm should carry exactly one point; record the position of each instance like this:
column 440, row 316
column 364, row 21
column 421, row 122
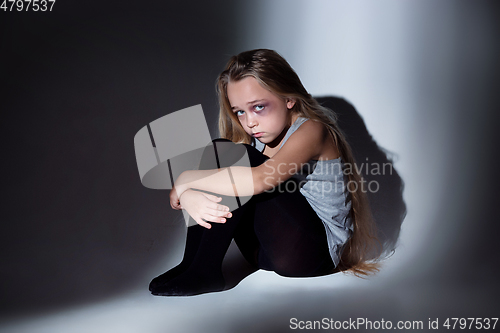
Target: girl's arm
column 304, row 144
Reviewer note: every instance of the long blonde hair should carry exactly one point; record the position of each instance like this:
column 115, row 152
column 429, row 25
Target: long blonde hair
column 275, row 74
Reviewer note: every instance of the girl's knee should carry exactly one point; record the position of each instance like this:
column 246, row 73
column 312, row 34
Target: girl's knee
column 222, row 153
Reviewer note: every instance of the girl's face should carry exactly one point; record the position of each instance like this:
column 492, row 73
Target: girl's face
column 263, row 114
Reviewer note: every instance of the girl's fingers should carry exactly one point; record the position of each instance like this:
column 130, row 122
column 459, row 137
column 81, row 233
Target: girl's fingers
column 212, row 197
column 223, row 208
column 176, row 207
column 221, row 212
column 215, row 219
column 203, row 223
column 216, row 206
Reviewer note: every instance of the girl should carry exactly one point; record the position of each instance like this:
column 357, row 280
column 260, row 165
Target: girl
column 307, row 215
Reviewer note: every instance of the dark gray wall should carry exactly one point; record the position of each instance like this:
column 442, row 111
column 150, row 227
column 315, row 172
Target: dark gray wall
column 77, row 84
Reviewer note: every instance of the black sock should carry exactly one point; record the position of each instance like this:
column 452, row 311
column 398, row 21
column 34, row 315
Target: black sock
column 194, row 235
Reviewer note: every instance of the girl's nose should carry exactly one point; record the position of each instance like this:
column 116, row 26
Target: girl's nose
column 251, row 122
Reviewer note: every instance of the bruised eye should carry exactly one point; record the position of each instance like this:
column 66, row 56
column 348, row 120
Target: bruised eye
column 258, row 107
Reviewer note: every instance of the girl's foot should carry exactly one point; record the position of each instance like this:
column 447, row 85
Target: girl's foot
column 165, row 277
column 190, row 285
column 193, row 238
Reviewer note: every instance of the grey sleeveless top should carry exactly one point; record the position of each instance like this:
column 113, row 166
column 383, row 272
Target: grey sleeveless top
column 323, row 184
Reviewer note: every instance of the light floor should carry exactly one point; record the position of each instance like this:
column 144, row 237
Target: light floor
column 266, row 302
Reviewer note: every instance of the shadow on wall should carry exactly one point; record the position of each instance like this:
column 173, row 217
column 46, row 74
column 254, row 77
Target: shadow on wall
column 386, row 190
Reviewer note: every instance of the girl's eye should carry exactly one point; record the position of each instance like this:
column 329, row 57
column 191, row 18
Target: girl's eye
column 238, row 113
column 259, row 107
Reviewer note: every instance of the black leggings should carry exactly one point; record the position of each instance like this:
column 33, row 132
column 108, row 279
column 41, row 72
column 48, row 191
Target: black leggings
column 276, row 231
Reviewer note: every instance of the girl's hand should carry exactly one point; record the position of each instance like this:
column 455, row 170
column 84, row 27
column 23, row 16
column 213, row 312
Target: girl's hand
column 174, row 199
column 203, row 208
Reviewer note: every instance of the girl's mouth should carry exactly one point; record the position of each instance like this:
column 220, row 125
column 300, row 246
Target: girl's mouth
column 257, row 135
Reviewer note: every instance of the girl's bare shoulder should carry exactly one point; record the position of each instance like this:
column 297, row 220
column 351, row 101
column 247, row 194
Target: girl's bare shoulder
column 313, row 125
column 319, row 135
column 315, row 131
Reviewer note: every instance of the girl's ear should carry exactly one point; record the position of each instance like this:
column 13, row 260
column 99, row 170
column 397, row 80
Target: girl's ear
column 290, row 102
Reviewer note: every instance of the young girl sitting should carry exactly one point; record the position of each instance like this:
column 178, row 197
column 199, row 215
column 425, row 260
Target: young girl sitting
column 307, row 215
